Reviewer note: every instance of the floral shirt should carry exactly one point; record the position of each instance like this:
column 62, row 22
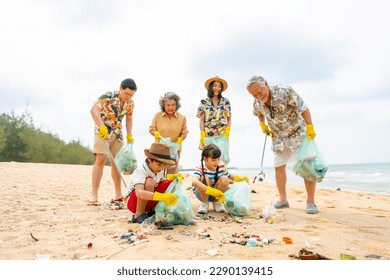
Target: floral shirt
column 284, row 117
column 111, row 112
column 215, row 116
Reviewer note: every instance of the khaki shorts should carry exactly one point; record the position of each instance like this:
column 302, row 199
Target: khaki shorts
column 282, row 158
column 114, row 144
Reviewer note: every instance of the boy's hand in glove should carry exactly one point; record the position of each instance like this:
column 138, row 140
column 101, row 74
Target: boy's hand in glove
column 168, row 198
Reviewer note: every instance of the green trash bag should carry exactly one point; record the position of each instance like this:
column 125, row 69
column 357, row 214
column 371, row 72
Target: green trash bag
column 173, row 147
column 238, row 199
column 125, row 159
column 308, row 162
column 222, row 142
column 179, row 214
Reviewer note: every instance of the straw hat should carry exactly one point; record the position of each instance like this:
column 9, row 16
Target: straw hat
column 160, row 152
column 218, row 79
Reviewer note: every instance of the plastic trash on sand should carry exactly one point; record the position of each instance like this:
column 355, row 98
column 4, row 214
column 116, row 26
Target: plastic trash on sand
column 268, row 212
column 42, row 257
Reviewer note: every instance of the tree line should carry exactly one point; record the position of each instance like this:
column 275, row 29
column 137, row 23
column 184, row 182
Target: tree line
column 21, row 141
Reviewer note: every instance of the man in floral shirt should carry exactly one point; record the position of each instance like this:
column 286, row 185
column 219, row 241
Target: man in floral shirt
column 108, row 112
column 289, row 122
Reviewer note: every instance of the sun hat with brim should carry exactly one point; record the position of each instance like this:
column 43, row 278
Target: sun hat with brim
column 218, row 79
column 160, row 152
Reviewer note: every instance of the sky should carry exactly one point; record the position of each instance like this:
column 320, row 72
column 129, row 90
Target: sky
column 58, row 57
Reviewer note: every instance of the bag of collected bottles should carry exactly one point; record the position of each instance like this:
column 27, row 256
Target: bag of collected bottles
column 308, row 162
column 173, row 147
column 126, row 160
column 222, row 143
column 238, row 199
column 179, row 214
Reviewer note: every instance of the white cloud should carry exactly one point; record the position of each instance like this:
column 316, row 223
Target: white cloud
column 58, row 57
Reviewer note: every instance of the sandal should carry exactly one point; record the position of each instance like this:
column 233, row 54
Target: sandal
column 279, row 205
column 93, row 203
column 311, row 208
column 118, row 200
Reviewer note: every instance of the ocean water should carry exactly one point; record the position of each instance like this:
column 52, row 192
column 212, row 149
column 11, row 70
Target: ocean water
column 363, row 177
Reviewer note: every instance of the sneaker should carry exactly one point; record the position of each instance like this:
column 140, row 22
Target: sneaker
column 311, row 208
column 218, row 207
column 203, row 208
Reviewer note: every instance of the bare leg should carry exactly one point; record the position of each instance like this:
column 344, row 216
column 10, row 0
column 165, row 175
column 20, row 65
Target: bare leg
column 97, row 173
column 117, row 180
column 203, row 195
column 310, row 189
column 141, row 203
column 222, row 184
column 281, row 180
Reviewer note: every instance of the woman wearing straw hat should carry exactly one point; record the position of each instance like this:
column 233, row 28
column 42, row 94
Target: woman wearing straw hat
column 214, row 112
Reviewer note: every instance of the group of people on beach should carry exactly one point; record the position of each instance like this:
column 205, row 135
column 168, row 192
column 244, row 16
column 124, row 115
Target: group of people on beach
column 282, row 114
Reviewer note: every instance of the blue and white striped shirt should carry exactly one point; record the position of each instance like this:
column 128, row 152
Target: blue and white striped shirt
column 222, row 171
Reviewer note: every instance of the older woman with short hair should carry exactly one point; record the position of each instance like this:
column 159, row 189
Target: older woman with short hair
column 170, row 123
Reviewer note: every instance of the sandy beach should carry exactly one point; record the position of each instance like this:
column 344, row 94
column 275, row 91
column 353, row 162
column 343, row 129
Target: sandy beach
column 43, row 211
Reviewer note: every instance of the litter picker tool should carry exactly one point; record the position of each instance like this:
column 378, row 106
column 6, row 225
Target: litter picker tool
column 113, row 160
column 260, row 177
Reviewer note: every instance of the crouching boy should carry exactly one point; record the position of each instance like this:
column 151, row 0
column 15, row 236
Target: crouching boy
column 148, row 184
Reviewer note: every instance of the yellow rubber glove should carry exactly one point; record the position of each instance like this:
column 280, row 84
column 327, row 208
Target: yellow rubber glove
column 168, row 198
column 129, row 138
column 310, row 133
column 174, row 176
column 265, row 128
column 103, row 132
column 157, row 135
column 179, row 140
column 238, row 178
column 219, row 195
column 202, row 136
column 227, row 131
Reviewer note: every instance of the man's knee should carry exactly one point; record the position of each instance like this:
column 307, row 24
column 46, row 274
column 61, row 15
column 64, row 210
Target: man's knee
column 101, row 159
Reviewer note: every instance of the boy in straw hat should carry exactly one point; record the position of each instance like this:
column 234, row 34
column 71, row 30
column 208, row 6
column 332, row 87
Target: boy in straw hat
column 148, row 184
column 214, row 112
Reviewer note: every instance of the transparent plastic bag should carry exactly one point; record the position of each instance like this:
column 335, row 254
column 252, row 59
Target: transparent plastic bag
column 308, row 162
column 238, row 199
column 222, row 142
column 148, row 225
column 179, row 214
column 173, row 147
column 125, row 159
column 268, row 212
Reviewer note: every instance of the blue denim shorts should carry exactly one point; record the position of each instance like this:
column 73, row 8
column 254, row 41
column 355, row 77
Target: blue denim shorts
column 195, row 190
